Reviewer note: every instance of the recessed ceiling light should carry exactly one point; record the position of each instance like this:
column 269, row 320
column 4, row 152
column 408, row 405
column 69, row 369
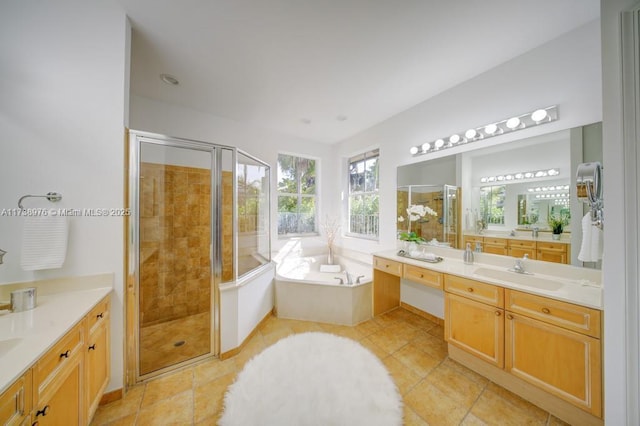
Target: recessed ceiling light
column 169, row 79
column 305, row 120
column 341, row 117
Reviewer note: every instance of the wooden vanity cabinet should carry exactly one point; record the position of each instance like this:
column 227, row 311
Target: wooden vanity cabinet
column 496, row 246
column 97, row 365
column 549, row 344
column 422, row 276
column 15, row 402
column 474, row 318
column 386, row 284
column 58, row 380
column 473, row 240
column 552, row 252
column 520, row 248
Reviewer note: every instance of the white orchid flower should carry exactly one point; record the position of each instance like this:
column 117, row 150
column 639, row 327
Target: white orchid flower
column 400, row 218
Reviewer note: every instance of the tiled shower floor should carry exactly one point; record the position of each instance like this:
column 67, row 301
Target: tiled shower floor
column 160, row 343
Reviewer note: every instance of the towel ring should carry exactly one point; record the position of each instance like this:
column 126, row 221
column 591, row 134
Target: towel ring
column 51, row 196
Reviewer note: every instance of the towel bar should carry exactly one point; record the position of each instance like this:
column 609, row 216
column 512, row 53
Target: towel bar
column 51, row 196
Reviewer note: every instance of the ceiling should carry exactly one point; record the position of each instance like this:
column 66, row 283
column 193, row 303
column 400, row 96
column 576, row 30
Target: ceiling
column 325, row 70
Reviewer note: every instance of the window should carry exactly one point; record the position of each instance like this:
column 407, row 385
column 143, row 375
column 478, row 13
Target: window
column 363, row 194
column 492, row 204
column 296, row 195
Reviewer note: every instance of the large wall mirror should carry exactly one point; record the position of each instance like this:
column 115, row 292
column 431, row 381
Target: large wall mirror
column 512, row 187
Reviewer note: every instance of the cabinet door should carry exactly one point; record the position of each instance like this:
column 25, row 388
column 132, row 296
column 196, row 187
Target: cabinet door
column 559, row 361
column 552, row 252
column 15, row 402
column 97, row 366
column 496, row 246
column 475, row 327
column 518, row 248
column 59, row 401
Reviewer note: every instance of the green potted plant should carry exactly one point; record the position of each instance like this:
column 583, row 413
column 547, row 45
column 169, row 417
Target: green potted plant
column 557, row 224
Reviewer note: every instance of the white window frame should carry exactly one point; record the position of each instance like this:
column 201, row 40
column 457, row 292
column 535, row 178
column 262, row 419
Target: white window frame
column 363, row 157
column 299, row 196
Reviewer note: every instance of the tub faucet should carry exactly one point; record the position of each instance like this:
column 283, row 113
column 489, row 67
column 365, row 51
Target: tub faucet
column 339, row 278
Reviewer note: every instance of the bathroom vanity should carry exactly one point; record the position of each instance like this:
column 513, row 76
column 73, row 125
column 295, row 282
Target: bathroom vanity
column 541, row 248
column 538, row 335
column 55, row 359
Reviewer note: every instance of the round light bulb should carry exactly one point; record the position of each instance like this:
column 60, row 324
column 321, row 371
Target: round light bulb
column 426, row 147
column 439, row 143
column 470, row 134
column 483, row 180
column 490, row 129
column 513, row 122
column 519, row 175
column 528, row 175
column 413, row 150
column 509, row 177
column 539, row 115
column 492, row 178
column 500, row 178
column 553, row 172
column 454, row 139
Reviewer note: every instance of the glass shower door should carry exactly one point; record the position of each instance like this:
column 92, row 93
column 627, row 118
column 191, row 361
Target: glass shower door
column 175, row 255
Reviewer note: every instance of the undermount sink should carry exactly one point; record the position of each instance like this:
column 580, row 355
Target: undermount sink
column 529, row 280
column 7, row 344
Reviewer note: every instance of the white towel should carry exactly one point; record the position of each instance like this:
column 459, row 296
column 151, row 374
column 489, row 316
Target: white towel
column 44, row 242
column 591, row 247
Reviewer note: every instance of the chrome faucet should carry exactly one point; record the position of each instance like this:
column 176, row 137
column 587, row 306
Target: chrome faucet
column 339, row 278
column 350, row 278
column 519, row 266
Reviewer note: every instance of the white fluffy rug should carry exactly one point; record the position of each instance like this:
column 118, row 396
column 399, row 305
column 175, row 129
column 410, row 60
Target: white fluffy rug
column 313, row 379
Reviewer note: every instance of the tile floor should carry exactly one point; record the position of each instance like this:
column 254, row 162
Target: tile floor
column 435, row 389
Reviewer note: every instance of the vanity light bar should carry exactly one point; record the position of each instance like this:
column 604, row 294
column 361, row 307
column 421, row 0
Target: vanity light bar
column 549, row 188
column 512, row 124
column 510, row 177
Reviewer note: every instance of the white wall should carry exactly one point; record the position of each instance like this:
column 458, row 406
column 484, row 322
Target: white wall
column 621, row 397
column 63, row 81
column 565, row 72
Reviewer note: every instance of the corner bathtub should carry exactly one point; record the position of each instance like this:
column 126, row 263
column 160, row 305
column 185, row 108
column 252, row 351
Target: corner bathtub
column 305, row 293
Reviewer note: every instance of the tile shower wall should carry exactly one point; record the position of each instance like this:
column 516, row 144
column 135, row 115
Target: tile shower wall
column 175, row 212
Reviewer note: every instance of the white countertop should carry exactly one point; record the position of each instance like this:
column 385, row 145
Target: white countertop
column 26, row 336
column 576, row 285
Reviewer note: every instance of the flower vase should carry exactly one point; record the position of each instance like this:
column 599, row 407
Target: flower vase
column 556, row 237
column 330, row 256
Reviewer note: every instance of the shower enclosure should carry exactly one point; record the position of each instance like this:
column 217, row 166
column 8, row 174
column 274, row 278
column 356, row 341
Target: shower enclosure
column 444, row 200
column 199, row 218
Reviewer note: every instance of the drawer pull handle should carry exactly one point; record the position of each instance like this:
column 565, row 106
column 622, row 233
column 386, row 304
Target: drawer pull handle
column 35, row 424
column 509, row 316
column 65, row 354
column 546, row 310
column 100, row 315
column 470, row 289
column 42, row 412
column 92, row 347
column 421, row 275
column 498, row 313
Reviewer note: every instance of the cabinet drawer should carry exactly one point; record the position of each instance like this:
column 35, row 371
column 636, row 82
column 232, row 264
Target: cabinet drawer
column 567, row 315
column 422, row 276
column 549, row 246
column 482, row 292
column 495, row 241
column 61, row 353
column 388, row 266
column 522, row 244
column 98, row 314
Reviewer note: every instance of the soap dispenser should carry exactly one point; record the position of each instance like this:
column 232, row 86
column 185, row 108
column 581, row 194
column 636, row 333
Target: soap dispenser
column 468, row 255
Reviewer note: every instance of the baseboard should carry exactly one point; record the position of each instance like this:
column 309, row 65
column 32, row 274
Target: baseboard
column 423, row 314
column 235, row 351
column 112, row 396
column 554, row 405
